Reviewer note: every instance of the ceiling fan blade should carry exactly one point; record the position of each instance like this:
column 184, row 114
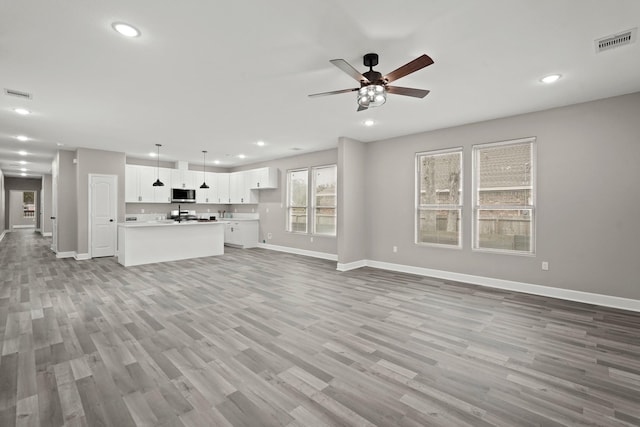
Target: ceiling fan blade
column 408, row 68
column 407, row 91
column 347, row 68
column 362, row 108
column 333, row 92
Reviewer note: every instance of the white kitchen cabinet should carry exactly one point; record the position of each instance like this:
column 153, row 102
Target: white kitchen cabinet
column 206, row 195
column 184, row 178
column 139, row 184
column 223, row 188
column 243, row 234
column 239, row 191
column 131, row 183
column 263, row 178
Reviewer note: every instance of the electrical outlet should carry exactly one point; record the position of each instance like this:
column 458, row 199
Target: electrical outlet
column 311, row 239
column 269, row 236
column 545, row 265
column 141, row 210
column 267, row 210
column 252, row 210
column 395, row 249
column 208, row 210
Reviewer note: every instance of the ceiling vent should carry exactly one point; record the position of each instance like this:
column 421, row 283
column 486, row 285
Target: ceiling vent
column 616, row 40
column 18, row 93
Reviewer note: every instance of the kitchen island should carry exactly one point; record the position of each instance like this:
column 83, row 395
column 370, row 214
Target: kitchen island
column 160, row 241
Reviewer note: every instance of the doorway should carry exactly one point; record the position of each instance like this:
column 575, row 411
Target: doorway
column 22, row 209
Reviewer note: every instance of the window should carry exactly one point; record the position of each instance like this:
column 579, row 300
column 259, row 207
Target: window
column 504, row 196
column 297, row 200
column 324, row 200
column 439, row 198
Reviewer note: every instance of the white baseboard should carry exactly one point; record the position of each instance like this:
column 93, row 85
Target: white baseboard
column 351, row 265
column 81, row 257
column 314, row 254
column 508, row 285
column 24, row 226
column 47, row 234
column 2, row 235
column 69, row 254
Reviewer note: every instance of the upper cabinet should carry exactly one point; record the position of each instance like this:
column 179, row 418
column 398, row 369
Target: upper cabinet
column 263, row 178
column 182, row 178
column 207, row 195
column 139, row 184
column 224, row 188
column 239, row 190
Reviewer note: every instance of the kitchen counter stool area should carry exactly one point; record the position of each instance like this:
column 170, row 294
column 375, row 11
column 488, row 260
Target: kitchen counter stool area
column 149, row 242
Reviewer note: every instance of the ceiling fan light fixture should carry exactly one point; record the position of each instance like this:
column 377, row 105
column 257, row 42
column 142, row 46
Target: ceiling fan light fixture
column 372, row 95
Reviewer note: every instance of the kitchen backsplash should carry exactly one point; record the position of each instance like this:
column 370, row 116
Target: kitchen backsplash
column 143, row 217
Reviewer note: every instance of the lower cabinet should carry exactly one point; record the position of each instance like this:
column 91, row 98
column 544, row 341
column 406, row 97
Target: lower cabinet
column 243, row 234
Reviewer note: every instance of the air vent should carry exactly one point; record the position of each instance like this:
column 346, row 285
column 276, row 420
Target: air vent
column 616, row 40
column 18, row 93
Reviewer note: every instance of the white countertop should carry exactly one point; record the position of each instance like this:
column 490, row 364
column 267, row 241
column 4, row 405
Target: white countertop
column 166, row 223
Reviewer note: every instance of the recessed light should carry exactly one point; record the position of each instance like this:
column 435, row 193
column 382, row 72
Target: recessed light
column 551, row 78
column 23, row 174
column 126, row 29
column 242, row 156
column 22, row 162
column 22, row 153
column 260, row 143
column 23, row 169
column 59, row 144
column 216, row 162
column 22, row 138
column 152, row 154
column 368, row 122
column 22, row 111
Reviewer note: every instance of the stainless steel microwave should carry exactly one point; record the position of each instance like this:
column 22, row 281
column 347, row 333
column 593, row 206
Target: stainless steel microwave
column 182, row 195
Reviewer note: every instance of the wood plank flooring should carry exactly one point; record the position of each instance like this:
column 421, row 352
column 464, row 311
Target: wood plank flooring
column 262, row 338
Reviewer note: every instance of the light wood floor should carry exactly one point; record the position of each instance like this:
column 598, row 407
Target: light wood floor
column 261, row 338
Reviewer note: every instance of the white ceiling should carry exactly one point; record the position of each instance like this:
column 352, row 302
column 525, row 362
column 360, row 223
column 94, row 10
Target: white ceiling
column 221, row 75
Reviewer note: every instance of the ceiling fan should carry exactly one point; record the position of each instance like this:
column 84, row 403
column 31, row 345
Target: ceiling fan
column 374, row 86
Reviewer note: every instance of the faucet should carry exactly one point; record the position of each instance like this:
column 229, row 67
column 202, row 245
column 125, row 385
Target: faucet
column 179, row 213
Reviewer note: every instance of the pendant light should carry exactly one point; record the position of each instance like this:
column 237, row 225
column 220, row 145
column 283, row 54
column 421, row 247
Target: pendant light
column 204, row 176
column 158, row 183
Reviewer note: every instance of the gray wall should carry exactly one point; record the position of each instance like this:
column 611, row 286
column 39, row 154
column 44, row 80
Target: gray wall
column 95, row 162
column 588, row 201
column 20, row 184
column 273, row 207
column 352, row 231
column 67, row 201
column 45, row 208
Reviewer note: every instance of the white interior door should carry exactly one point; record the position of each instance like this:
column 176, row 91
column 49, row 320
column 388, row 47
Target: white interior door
column 103, row 214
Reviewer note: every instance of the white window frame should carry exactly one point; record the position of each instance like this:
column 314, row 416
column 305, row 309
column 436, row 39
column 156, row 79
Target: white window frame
column 313, row 200
column 419, row 207
column 477, row 207
column 288, row 226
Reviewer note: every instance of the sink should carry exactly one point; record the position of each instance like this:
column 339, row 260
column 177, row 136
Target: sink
column 161, row 221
